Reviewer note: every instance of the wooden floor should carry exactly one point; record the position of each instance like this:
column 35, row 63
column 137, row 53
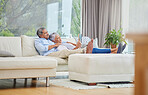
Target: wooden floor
column 38, row 88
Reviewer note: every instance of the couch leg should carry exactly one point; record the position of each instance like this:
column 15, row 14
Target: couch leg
column 47, row 81
column 25, row 83
column 14, row 83
column 34, row 78
column 92, row 84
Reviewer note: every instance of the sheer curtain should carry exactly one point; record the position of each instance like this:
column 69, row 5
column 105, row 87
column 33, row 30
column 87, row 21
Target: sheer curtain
column 138, row 15
column 135, row 19
column 100, row 16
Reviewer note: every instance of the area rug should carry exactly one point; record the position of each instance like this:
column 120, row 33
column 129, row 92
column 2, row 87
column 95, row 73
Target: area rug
column 80, row 85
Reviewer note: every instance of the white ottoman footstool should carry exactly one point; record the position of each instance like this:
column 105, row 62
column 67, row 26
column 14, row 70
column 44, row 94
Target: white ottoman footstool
column 93, row 68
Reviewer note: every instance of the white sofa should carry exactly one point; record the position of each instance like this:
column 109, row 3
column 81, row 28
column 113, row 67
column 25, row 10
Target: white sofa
column 94, row 68
column 26, row 63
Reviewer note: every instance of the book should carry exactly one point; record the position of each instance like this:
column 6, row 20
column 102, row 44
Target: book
column 80, row 37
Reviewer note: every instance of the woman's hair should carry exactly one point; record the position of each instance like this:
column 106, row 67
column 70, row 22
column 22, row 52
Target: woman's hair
column 52, row 36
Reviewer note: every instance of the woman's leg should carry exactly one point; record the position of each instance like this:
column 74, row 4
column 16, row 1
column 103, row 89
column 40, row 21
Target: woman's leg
column 97, row 50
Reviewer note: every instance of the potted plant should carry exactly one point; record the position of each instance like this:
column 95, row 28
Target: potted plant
column 113, row 38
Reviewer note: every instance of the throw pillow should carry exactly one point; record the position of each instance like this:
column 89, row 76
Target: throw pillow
column 28, row 47
column 95, row 43
column 6, row 54
column 86, row 40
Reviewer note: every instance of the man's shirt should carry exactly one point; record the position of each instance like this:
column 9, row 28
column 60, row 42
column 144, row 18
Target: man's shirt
column 42, row 44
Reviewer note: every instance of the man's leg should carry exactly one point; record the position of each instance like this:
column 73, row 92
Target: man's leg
column 65, row 53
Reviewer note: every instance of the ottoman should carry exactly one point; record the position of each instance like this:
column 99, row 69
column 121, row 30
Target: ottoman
column 93, row 68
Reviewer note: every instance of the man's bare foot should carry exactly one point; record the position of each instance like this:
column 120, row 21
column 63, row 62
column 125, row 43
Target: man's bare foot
column 90, row 47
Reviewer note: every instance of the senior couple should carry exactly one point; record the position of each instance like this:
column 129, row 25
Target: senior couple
column 52, row 45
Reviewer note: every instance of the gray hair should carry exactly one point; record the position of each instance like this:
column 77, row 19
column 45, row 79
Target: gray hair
column 52, row 36
column 40, row 31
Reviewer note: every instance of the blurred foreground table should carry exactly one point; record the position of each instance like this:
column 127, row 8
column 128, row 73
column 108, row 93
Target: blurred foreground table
column 141, row 62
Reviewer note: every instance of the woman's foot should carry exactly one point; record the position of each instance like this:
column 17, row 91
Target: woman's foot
column 121, row 48
column 90, row 47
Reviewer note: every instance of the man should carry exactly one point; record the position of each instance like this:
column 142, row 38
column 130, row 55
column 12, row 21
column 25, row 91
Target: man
column 46, row 47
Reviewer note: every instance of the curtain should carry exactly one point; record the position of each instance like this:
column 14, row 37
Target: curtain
column 99, row 17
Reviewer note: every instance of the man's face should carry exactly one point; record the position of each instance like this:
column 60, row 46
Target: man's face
column 58, row 39
column 44, row 34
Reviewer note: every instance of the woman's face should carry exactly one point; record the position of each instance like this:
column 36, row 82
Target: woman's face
column 58, row 39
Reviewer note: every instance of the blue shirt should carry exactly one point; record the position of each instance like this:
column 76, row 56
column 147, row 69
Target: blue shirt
column 42, row 44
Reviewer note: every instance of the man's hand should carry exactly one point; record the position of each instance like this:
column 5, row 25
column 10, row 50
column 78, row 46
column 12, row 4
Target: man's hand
column 52, row 46
column 57, row 44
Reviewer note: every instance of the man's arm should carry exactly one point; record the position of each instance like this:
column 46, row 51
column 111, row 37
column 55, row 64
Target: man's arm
column 52, row 46
column 40, row 47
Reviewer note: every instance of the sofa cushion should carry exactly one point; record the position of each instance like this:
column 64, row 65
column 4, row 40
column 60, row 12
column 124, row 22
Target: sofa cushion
column 60, row 61
column 11, row 44
column 6, row 54
column 28, row 48
column 27, row 63
column 86, row 40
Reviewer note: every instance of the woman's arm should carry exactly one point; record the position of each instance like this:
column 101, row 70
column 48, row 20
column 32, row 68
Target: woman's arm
column 71, row 43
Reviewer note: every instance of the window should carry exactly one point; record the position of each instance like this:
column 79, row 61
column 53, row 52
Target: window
column 24, row 17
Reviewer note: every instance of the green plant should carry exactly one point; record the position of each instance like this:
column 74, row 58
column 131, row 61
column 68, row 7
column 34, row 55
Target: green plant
column 114, row 37
column 6, row 32
column 76, row 16
column 31, row 32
